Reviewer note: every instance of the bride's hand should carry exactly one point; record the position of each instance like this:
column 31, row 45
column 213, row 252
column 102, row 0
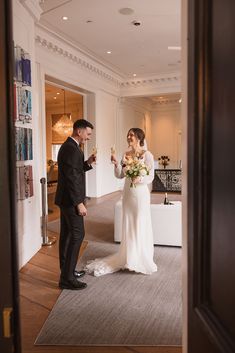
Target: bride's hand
column 136, row 180
column 114, row 160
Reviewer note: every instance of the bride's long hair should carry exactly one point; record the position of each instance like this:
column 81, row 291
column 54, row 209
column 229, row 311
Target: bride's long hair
column 139, row 133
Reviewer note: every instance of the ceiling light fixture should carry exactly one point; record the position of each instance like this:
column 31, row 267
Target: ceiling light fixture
column 180, row 100
column 64, row 126
column 136, row 23
column 108, row 52
column 134, row 75
column 174, row 48
column 57, row 92
column 55, row 97
column 65, row 18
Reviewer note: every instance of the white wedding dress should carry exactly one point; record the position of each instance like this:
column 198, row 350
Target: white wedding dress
column 136, row 248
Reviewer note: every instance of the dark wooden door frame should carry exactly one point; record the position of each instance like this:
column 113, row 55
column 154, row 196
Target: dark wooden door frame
column 203, row 323
column 9, row 292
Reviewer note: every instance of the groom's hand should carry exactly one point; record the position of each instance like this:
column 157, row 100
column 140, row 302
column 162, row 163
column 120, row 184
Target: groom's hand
column 91, row 159
column 82, row 211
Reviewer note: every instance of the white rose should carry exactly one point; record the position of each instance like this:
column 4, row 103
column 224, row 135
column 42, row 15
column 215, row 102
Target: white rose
column 143, row 172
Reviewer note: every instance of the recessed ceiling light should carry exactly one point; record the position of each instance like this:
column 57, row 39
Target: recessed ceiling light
column 180, row 100
column 108, row 52
column 134, row 75
column 174, row 48
column 57, row 92
column 65, row 18
column 136, row 23
column 126, row 11
column 55, row 97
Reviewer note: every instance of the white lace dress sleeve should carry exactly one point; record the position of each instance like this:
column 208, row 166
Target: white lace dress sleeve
column 149, row 161
column 118, row 171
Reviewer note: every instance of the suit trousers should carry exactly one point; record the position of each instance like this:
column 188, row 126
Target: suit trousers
column 71, row 236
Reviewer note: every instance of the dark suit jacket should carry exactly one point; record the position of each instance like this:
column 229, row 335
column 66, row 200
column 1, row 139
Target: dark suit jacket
column 71, row 175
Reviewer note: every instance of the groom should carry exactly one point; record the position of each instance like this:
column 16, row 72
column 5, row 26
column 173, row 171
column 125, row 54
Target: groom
column 70, row 196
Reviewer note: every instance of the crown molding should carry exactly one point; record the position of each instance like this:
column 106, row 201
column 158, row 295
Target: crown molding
column 163, row 79
column 148, row 105
column 55, row 34
column 171, row 104
column 165, row 102
column 33, row 7
column 166, row 83
column 156, row 83
column 84, row 64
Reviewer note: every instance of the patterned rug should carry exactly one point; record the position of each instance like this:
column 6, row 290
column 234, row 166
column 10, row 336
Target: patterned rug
column 123, row 308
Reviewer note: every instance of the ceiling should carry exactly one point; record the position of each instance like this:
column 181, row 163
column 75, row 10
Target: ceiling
column 55, row 96
column 97, row 26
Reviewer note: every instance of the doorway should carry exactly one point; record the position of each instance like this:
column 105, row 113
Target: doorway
column 62, row 108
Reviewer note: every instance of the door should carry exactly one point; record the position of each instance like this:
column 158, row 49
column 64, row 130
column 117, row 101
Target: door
column 211, row 176
column 9, row 320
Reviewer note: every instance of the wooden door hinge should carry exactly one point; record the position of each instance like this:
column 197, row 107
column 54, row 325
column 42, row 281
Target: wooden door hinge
column 7, row 322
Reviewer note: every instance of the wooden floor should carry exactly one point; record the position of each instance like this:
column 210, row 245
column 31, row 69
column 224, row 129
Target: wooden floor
column 38, row 294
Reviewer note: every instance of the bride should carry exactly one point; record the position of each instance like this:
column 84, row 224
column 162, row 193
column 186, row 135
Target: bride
column 136, row 248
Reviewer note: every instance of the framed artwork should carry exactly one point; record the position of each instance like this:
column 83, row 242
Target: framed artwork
column 23, row 114
column 24, row 178
column 23, row 144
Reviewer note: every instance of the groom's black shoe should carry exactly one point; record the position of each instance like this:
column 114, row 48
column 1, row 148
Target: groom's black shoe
column 79, row 274
column 72, row 284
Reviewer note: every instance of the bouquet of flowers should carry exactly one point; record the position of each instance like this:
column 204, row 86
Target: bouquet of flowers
column 134, row 167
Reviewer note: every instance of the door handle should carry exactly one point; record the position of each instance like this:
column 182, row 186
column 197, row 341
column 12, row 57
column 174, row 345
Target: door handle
column 7, row 312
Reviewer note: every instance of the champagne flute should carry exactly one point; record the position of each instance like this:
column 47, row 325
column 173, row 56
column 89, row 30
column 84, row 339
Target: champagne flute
column 94, row 152
column 113, row 152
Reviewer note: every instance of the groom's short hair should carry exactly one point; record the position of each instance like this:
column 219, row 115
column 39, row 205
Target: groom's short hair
column 82, row 124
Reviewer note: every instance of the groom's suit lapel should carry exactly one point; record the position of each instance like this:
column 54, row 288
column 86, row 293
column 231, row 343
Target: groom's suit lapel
column 81, row 151
column 78, row 147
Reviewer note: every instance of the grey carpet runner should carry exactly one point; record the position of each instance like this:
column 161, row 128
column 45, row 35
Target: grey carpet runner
column 123, row 308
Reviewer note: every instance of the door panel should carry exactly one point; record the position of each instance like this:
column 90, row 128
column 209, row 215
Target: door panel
column 9, row 320
column 223, row 164
column 211, row 174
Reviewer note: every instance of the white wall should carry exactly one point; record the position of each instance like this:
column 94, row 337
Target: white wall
column 106, row 120
column 162, row 126
column 101, row 94
column 29, row 230
column 166, row 134
column 132, row 113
